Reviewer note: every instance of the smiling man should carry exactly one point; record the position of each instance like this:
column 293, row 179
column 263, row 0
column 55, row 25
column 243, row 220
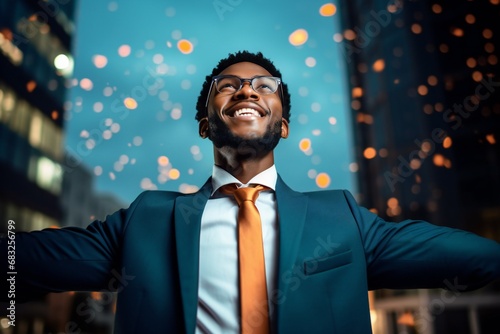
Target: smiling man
column 247, row 254
column 243, row 117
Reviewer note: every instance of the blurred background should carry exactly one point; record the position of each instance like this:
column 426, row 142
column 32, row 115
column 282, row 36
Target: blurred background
column 395, row 100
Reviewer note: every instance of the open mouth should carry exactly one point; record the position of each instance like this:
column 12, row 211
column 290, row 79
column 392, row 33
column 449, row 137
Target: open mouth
column 247, row 112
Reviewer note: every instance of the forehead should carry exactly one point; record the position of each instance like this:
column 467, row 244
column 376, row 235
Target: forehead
column 245, row 70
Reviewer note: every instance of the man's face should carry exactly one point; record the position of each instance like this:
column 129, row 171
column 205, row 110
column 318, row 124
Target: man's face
column 245, row 118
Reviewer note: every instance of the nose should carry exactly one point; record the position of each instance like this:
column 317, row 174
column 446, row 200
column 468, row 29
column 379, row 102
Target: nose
column 246, row 92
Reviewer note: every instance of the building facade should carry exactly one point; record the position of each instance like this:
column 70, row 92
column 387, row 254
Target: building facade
column 35, row 62
column 35, row 69
column 425, row 100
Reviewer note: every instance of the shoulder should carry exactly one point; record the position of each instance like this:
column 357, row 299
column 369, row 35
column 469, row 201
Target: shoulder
column 151, row 198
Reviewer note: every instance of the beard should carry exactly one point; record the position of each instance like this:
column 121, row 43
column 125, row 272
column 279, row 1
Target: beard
column 221, row 136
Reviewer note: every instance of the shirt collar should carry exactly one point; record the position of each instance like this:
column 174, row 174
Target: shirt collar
column 266, row 178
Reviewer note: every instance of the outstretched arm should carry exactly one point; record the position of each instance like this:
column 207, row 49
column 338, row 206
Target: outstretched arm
column 66, row 259
column 416, row 254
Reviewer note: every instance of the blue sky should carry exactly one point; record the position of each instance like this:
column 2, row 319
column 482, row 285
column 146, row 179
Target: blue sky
column 126, row 144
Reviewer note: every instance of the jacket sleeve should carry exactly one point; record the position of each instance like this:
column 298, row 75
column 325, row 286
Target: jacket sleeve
column 66, row 259
column 416, row 254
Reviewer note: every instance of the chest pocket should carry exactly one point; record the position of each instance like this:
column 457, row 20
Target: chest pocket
column 315, row 266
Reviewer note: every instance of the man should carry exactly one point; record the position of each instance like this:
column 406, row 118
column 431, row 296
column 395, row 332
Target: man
column 173, row 258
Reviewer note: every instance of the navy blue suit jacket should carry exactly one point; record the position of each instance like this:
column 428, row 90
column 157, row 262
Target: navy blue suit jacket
column 331, row 251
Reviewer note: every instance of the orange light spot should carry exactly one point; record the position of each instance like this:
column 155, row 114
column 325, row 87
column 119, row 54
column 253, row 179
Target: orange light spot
column 378, row 65
column 416, row 28
column 491, row 139
column 30, row 86
column 368, row 119
column 426, row 147
column 54, row 115
column 432, row 80
column 423, row 90
column 163, row 161
column 438, row 160
column 392, row 202
column 437, row 8
column 130, row 103
column 457, row 32
column 487, row 33
column 447, row 142
column 298, row 37
column 357, row 92
column 415, row 163
column 174, row 174
column 349, row 34
column 323, row 180
column 477, row 76
column 328, row 9
column 369, row 153
column 185, row 46
column 305, row 145
column 471, row 62
column 470, row 19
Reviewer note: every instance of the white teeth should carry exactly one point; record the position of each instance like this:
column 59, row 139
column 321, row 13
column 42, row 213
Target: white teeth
column 246, row 112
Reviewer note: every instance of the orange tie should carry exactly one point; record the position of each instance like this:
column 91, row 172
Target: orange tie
column 253, row 291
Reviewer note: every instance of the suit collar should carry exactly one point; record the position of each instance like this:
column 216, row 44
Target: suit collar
column 188, row 213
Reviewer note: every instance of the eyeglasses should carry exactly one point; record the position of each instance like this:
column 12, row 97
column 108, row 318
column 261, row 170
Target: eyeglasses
column 230, row 84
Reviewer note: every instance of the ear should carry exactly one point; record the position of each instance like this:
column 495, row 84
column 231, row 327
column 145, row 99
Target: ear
column 284, row 128
column 203, row 127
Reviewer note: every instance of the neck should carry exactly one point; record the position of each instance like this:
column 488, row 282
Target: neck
column 241, row 167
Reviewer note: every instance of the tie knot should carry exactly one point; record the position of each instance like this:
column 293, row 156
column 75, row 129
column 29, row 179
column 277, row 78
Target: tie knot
column 243, row 194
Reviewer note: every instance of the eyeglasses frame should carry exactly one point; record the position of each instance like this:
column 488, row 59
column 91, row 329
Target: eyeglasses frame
column 243, row 80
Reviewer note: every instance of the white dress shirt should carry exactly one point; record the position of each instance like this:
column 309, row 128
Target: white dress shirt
column 218, row 292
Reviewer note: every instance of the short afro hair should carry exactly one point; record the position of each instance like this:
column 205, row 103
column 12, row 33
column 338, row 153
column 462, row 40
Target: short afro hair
column 239, row 57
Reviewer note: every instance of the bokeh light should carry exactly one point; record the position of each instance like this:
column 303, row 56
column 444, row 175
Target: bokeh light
column 124, row 50
column 86, row 84
column 298, row 37
column 61, row 62
column 174, row 174
column 130, row 103
column 305, row 145
column 328, row 9
column 378, row 65
column 323, row 180
column 100, row 61
column 185, row 46
column 163, row 161
column 369, row 153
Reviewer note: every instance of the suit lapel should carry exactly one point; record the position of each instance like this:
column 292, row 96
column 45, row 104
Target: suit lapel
column 292, row 208
column 188, row 212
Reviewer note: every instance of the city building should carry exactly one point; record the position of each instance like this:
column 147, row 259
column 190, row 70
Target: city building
column 35, row 62
column 425, row 101
column 35, row 69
